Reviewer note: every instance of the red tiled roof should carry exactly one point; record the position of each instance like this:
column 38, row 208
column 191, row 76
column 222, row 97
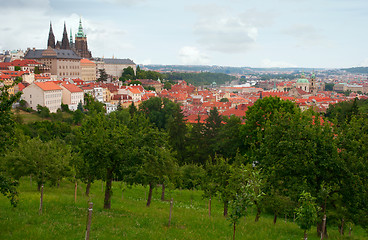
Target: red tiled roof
column 48, row 86
column 71, row 87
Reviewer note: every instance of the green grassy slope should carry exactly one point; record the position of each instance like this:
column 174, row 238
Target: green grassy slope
column 129, row 218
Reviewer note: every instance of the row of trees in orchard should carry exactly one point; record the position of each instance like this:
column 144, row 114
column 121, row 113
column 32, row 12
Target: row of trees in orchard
column 280, row 159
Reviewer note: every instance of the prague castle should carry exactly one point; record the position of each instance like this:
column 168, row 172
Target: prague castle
column 80, row 46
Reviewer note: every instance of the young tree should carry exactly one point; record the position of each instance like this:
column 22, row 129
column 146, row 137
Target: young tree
column 128, row 74
column 306, row 214
column 247, row 188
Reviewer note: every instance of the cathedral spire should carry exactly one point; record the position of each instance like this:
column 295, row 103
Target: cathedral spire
column 80, row 30
column 71, row 38
column 51, row 40
column 65, row 41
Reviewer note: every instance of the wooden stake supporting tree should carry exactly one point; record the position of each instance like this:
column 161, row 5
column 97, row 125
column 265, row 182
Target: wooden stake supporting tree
column 75, row 191
column 89, row 220
column 41, row 201
column 171, row 206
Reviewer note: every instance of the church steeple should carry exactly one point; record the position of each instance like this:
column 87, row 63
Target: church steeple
column 65, row 41
column 71, row 39
column 51, row 40
column 80, row 30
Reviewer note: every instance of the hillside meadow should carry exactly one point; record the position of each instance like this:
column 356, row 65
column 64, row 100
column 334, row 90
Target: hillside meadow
column 129, row 218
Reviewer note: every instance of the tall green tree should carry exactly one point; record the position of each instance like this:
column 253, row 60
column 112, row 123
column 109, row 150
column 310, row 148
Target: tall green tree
column 7, row 138
column 103, row 75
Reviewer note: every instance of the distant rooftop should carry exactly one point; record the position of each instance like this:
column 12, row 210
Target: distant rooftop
column 116, row 61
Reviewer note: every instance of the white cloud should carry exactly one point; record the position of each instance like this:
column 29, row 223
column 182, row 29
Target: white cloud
column 223, row 30
column 364, row 63
column 276, row 64
column 305, row 35
column 191, row 55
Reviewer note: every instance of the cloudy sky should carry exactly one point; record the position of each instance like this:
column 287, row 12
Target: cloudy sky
column 255, row 33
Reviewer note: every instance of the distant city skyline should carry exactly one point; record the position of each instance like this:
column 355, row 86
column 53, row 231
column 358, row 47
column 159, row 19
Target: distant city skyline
column 264, row 33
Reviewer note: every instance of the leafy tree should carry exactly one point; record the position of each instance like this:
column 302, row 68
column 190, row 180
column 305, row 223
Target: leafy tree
column 190, row 176
column 136, row 82
column 224, row 100
column 159, row 111
column 132, row 109
column 37, row 70
column 306, row 214
column 211, row 133
column 92, row 105
column 257, row 115
column 177, row 131
column 167, row 85
column 329, row 86
column 43, row 111
column 128, row 74
column 46, row 161
column 17, row 68
column 247, row 188
column 8, row 139
column 8, row 189
column 103, row 75
column 149, row 88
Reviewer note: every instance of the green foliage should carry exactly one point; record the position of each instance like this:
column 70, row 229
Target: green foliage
column 46, row 161
column 306, row 214
column 167, row 85
column 37, row 70
column 8, row 189
column 7, row 125
column 136, row 82
column 16, row 68
column 329, row 86
column 44, row 112
column 190, row 176
column 93, row 106
column 159, row 111
column 128, row 74
column 65, row 108
column 103, row 75
column 149, row 88
column 200, row 79
column 342, row 112
column 224, row 100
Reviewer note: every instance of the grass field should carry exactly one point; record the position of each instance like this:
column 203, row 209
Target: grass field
column 129, row 218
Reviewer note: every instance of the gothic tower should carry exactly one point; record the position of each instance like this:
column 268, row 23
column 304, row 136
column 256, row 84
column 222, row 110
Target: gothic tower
column 80, row 44
column 51, row 40
column 313, row 87
column 65, row 40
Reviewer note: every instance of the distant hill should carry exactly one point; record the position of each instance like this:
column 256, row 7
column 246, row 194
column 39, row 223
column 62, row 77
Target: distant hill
column 361, row 70
column 222, row 69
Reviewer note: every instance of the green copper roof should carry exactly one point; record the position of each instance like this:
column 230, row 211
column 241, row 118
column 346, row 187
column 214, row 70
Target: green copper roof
column 71, row 37
column 80, row 30
column 302, row 80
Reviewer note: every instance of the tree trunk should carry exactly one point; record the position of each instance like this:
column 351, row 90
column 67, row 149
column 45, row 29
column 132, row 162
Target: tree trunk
column 149, row 195
column 88, row 187
column 108, row 192
column 163, row 192
column 319, row 230
column 323, row 226
column 274, row 218
column 39, row 184
column 305, row 235
column 258, row 213
column 226, row 203
column 234, row 231
column 341, row 227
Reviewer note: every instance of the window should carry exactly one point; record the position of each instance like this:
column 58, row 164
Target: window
column 30, row 95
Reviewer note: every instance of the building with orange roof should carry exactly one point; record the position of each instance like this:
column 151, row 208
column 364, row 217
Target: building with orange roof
column 72, row 95
column 88, row 70
column 46, row 94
